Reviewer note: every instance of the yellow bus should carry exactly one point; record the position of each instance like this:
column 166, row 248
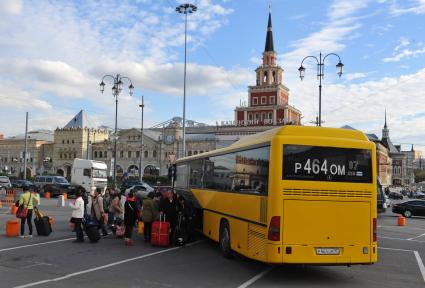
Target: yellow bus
column 293, row 194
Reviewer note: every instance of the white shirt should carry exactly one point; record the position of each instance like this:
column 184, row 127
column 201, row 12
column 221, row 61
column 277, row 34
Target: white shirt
column 77, row 208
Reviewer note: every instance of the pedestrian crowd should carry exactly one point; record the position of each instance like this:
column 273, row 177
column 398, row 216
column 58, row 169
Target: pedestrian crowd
column 120, row 214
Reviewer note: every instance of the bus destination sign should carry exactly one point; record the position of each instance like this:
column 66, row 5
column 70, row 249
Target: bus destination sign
column 331, row 164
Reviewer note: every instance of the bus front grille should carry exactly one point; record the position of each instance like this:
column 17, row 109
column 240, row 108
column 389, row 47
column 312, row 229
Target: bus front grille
column 327, row 193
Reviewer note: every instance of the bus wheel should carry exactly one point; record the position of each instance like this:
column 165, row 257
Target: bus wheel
column 225, row 240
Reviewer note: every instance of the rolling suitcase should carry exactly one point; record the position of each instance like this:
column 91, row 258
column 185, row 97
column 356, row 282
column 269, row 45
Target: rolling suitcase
column 93, row 233
column 91, row 227
column 42, row 224
column 160, row 233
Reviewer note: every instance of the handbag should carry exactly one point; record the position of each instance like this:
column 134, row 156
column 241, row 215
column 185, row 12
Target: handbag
column 140, row 227
column 120, row 230
column 23, row 210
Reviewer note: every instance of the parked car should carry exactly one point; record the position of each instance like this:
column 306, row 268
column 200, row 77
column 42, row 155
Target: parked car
column 418, row 195
column 127, row 184
column 382, row 206
column 5, row 182
column 22, row 183
column 410, row 208
column 395, row 195
column 56, row 185
column 142, row 190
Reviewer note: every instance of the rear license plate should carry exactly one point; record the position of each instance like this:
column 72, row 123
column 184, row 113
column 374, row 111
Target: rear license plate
column 327, row 251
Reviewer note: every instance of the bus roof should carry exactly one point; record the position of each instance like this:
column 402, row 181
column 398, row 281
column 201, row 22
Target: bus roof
column 288, row 130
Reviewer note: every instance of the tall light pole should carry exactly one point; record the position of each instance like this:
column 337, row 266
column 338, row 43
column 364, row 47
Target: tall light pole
column 26, row 146
column 185, row 9
column 141, row 144
column 320, row 76
column 116, row 90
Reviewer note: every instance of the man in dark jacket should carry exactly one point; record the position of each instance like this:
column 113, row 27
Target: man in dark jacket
column 130, row 216
column 168, row 206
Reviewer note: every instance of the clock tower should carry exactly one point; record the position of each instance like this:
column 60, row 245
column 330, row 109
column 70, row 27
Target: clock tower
column 268, row 99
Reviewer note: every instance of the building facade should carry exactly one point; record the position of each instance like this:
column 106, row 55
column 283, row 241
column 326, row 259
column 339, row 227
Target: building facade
column 74, row 141
column 38, row 157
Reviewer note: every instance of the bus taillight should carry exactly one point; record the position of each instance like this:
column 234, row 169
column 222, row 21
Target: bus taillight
column 374, row 229
column 274, row 229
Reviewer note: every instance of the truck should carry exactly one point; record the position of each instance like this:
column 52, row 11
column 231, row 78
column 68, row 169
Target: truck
column 89, row 174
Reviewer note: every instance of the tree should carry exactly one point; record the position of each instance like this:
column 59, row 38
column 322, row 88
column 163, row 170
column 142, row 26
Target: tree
column 419, row 175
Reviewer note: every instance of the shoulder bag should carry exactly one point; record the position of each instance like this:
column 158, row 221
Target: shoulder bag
column 23, row 209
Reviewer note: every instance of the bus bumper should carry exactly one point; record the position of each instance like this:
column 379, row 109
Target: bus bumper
column 307, row 254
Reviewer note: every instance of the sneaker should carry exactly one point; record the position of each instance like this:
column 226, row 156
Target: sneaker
column 21, row 236
column 29, row 236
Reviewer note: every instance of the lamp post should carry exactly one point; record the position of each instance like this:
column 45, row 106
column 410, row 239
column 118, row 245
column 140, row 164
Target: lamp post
column 141, row 144
column 185, row 9
column 320, row 75
column 116, row 90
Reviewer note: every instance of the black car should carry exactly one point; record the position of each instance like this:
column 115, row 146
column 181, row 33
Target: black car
column 395, row 195
column 410, row 208
column 22, row 183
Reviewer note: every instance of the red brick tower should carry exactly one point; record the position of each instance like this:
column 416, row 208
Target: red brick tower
column 268, row 99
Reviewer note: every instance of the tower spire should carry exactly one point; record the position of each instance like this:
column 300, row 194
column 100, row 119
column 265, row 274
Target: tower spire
column 269, row 38
column 385, row 125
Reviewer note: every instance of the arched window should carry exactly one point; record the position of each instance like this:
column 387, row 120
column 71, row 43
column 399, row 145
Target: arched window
column 273, row 77
column 95, row 154
column 146, row 154
column 265, row 77
column 100, row 154
column 105, row 154
column 154, row 154
column 189, row 153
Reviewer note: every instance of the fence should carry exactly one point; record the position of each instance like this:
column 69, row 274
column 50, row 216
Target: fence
column 7, row 197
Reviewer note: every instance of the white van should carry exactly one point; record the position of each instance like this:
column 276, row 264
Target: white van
column 89, row 174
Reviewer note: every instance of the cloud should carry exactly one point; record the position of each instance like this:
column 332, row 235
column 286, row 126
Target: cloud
column 12, row 7
column 353, row 76
column 405, row 53
column 344, row 8
column 408, row 7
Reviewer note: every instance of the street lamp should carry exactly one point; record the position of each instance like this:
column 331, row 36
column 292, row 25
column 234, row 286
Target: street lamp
column 141, row 170
column 320, row 75
column 185, row 9
column 116, row 90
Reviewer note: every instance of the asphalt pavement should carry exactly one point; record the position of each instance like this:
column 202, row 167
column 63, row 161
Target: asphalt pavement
column 55, row 261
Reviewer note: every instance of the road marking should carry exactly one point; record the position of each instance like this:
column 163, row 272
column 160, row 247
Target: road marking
column 417, row 256
column 420, row 264
column 36, row 244
column 255, row 278
column 402, row 239
column 103, row 267
column 416, row 237
column 401, row 227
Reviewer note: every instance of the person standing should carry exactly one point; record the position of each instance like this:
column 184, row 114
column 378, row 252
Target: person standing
column 97, row 210
column 130, row 216
column 77, row 216
column 107, row 200
column 168, row 206
column 150, row 212
column 27, row 200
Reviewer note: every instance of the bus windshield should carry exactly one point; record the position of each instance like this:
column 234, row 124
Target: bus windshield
column 99, row 173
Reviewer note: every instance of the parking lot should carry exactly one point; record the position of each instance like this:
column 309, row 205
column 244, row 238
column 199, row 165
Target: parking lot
column 55, row 261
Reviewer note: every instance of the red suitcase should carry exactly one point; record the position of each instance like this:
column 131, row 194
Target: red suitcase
column 160, row 233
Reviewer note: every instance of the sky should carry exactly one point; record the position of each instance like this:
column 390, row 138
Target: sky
column 53, row 55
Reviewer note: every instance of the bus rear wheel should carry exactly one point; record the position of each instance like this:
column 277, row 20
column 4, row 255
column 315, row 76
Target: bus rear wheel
column 225, row 240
